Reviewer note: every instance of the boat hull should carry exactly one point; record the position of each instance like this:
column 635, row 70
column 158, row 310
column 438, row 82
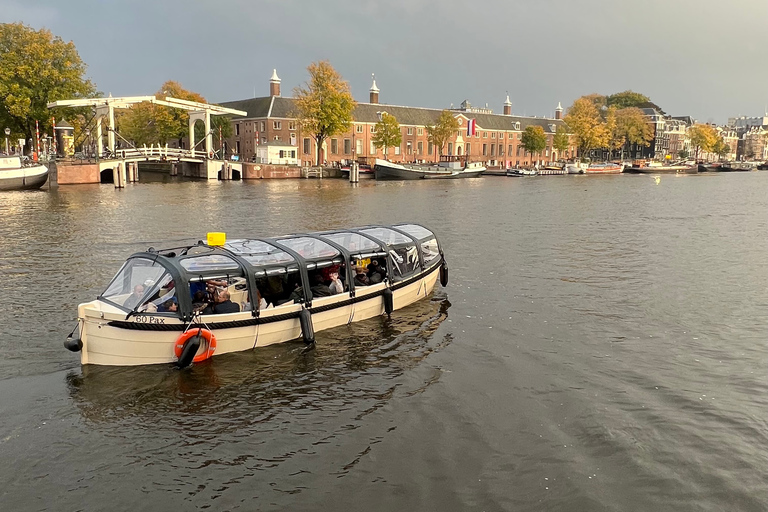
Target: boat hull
column 605, row 169
column 662, row 170
column 109, row 339
column 390, row 171
column 24, row 178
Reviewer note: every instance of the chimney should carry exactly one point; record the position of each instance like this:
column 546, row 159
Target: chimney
column 374, row 91
column 559, row 111
column 507, row 107
column 274, row 84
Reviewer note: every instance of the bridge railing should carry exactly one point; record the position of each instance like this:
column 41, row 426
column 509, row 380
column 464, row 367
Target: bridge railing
column 155, row 152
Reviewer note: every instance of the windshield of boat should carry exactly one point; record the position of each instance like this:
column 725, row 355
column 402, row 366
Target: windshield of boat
column 133, row 282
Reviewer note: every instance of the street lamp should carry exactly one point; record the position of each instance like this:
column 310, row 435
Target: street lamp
column 7, row 133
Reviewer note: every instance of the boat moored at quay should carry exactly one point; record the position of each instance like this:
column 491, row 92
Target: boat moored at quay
column 187, row 304
column 449, row 169
column 604, row 168
column 18, row 175
column 660, row 168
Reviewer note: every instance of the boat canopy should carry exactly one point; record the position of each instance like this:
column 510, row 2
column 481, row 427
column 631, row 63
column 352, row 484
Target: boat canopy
column 276, row 271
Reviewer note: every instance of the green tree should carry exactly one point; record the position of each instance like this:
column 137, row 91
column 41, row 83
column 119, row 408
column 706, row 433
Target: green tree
column 534, row 140
column 587, row 125
column 388, row 133
column 626, row 99
column 631, row 127
column 683, row 154
column 439, row 133
column 147, row 123
column 721, row 148
column 561, row 140
column 324, row 104
column 37, row 68
column 703, row 137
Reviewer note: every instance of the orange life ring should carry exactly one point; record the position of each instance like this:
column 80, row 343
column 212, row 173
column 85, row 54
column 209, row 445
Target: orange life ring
column 207, row 335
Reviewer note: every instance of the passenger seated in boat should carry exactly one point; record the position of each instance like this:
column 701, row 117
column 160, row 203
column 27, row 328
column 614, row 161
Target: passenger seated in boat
column 336, row 286
column 134, row 298
column 221, row 303
column 296, row 296
column 361, row 279
column 319, row 288
column 376, row 272
column 168, row 306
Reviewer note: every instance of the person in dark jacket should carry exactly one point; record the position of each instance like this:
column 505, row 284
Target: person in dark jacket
column 361, row 279
column 319, row 288
column 221, row 304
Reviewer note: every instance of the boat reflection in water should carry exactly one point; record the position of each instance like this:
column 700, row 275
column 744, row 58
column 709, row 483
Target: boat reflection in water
column 352, row 368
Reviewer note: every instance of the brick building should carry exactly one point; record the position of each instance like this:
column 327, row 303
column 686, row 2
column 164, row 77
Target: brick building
column 497, row 139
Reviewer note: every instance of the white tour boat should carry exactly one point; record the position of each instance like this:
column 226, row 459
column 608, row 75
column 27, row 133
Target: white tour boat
column 187, row 304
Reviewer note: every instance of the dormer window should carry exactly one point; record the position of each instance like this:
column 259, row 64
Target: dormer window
column 552, row 127
column 517, row 126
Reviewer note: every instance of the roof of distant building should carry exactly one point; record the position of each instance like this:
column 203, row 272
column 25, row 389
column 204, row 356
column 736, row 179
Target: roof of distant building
column 282, row 108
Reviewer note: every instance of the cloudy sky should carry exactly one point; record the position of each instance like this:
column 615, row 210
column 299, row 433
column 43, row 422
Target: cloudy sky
column 704, row 58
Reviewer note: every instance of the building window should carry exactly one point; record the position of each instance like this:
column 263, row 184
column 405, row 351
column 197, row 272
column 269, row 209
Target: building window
column 485, row 135
column 373, row 128
column 359, row 147
column 517, row 126
column 450, row 148
column 468, row 148
column 292, row 125
column 493, row 149
column 276, row 137
column 237, row 147
column 501, row 149
column 397, row 150
column 410, row 131
column 306, row 146
column 263, row 140
column 429, row 148
column 359, row 128
column 237, row 129
column 420, row 148
column 509, row 150
column 409, row 148
column 347, row 146
column 277, row 125
column 493, row 135
column 485, row 149
column 419, row 131
column 373, row 148
column 262, row 126
column 501, row 135
column 334, row 146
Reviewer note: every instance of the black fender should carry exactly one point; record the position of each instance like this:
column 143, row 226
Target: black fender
column 73, row 344
column 307, row 330
column 189, row 351
column 389, row 301
column 444, row 274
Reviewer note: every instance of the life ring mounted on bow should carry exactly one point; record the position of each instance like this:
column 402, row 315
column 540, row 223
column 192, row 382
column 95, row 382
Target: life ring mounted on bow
column 207, row 337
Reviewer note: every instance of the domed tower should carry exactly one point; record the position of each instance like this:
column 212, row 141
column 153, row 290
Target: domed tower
column 507, row 107
column 274, row 84
column 374, row 91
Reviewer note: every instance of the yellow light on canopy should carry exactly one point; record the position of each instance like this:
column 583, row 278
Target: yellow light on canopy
column 217, row 239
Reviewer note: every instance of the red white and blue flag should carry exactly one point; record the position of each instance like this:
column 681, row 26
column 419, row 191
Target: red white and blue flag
column 471, row 125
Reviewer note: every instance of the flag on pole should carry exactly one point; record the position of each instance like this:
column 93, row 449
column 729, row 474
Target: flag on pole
column 471, row 126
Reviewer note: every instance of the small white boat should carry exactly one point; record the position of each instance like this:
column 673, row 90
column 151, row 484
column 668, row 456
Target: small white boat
column 604, row 168
column 17, row 175
column 516, row 172
column 187, row 304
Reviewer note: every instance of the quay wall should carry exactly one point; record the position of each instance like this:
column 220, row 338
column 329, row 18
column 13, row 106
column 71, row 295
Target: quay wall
column 253, row 171
column 64, row 173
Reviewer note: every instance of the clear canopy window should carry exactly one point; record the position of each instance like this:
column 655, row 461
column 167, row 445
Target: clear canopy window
column 134, row 280
column 161, row 298
column 415, row 230
column 388, row 236
column 259, row 253
column 405, row 261
column 310, row 248
column 353, row 242
column 429, row 251
column 209, row 262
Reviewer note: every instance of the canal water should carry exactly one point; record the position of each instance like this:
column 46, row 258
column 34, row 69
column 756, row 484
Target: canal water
column 601, row 346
